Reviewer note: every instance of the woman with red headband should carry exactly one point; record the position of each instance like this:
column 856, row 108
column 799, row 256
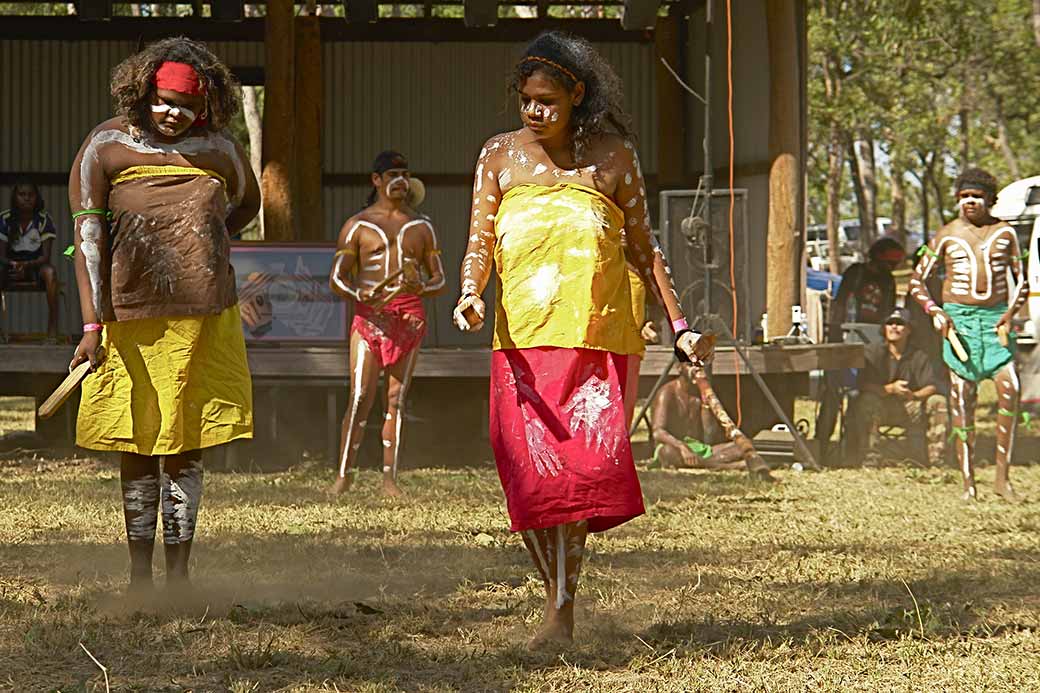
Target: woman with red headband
column 559, row 205
column 156, row 194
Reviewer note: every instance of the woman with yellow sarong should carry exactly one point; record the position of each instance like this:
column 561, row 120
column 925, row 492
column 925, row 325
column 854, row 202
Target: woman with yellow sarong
column 156, row 193
column 557, row 206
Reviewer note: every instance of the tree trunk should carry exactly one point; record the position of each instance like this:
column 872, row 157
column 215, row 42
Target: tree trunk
column 278, row 180
column 255, row 127
column 834, row 165
column 1004, row 143
column 865, row 169
column 930, row 179
column 784, row 265
column 857, row 189
column 898, row 204
column 1036, row 21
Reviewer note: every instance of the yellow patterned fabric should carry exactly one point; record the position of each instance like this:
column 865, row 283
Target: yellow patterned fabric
column 562, row 280
column 135, row 172
column 168, row 385
column 638, row 290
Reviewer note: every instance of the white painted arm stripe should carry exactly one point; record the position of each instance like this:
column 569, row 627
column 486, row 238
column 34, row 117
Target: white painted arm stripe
column 346, row 288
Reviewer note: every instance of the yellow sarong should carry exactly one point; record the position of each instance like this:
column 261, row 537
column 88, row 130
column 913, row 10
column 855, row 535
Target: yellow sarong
column 638, row 291
column 168, row 385
column 562, row 280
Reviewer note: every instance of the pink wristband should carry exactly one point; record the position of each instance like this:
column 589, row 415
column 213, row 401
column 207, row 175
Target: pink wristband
column 92, row 327
column 679, row 325
column 928, row 307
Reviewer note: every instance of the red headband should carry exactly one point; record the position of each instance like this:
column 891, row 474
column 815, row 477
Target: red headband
column 178, row 77
column 891, row 255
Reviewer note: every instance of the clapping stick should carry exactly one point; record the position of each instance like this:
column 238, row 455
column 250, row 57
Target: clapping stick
column 955, row 343
column 1002, row 334
column 67, row 387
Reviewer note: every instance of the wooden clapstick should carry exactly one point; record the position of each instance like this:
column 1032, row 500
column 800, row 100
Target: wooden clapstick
column 1002, row 334
column 67, row 387
column 955, row 343
column 383, row 284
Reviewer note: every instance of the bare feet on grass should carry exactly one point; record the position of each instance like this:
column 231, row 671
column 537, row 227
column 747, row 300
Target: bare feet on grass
column 1006, row 491
column 390, row 487
column 342, row 484
column 556, row 632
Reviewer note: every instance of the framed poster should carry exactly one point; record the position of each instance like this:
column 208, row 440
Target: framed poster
column 284, row 294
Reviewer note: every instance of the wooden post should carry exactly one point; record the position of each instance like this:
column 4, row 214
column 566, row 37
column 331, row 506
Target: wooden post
column 785, row 169
column 279, row 123
column 307, row 203
column 671, row 121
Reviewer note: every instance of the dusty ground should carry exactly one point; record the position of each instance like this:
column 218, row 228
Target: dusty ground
column 843, row 580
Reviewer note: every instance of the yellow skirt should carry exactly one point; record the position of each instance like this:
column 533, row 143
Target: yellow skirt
column 168, row 385
column 638, row 293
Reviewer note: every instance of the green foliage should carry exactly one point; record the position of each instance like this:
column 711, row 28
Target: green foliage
column 926, row 81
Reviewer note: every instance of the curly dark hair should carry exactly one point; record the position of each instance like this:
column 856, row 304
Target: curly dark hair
column 16, row 232
column 601, row 110
column 132, row 86
column 979, row 179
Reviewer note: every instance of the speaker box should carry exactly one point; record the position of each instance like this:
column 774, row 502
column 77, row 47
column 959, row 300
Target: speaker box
column 639, row 14
column 704, row 285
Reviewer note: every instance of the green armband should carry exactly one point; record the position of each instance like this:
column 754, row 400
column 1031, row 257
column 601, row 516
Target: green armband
column 926, row 250
column 960, row 432
column 96, row 212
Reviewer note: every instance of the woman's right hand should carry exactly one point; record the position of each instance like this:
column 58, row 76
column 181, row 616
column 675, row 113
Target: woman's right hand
column 87, row 349
column 469, row 313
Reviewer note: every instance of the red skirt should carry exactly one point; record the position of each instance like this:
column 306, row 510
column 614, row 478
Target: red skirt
column 393, row 331
column 560, row 440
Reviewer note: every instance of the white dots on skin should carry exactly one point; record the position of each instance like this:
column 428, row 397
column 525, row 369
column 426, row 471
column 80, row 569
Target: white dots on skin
column 540, row 169
column 628, row 179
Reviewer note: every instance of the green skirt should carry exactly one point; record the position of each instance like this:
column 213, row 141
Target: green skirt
column 977, row 328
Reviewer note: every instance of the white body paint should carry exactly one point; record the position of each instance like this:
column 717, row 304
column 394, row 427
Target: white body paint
column 142, row 497
column 180, row 502
column 355, row 404
column 211, row 142
column 90, row 239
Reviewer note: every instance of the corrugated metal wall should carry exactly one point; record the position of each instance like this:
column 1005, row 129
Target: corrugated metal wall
column 437, row 103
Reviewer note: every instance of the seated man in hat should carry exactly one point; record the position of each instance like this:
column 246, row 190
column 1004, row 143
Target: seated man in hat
column 897, row 385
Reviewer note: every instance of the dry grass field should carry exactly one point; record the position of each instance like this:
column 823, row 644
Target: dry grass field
column 847, row 580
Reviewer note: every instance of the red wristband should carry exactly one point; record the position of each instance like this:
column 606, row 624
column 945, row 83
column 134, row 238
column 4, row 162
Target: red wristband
column 92, row 327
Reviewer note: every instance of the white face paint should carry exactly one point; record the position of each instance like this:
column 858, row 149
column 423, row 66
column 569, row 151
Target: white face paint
column 398, row 180
column 174, row 111
column 971, row 200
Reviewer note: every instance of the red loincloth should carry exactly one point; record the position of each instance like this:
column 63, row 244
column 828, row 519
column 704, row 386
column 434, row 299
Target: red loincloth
column 394, row 330
column 560, row 440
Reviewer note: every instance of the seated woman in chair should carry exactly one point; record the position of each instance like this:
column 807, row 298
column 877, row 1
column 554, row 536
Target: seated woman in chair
column 26, row 236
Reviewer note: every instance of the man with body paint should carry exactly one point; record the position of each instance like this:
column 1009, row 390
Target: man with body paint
column 381, row 250
column 897, row 385
column 156, row 193
column 683, row 428
column 558, row 207
column 985, row 286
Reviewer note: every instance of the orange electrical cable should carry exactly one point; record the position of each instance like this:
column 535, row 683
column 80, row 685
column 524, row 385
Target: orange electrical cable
column 732, row 197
